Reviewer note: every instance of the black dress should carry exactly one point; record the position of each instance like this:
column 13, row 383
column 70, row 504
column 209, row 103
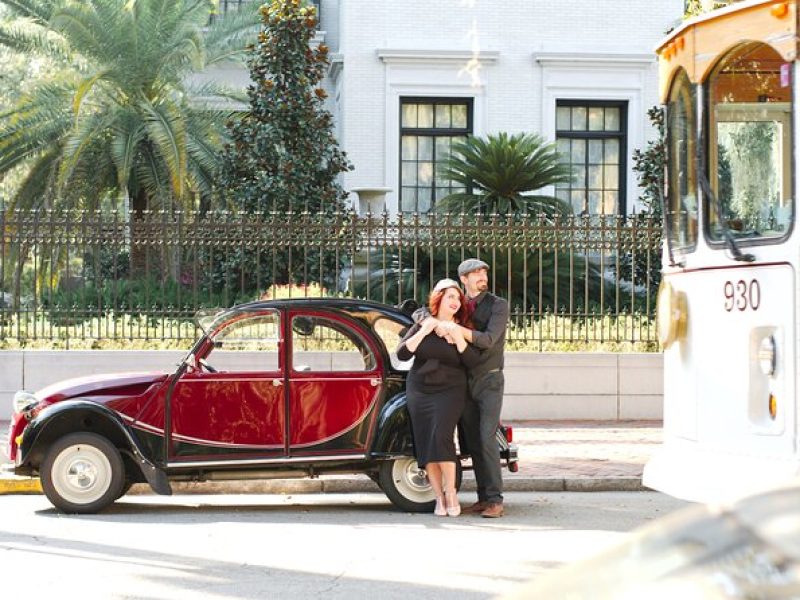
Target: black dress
column 436, row 389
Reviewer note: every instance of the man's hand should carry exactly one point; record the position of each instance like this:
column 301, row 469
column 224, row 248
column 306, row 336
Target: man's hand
column 445, row 328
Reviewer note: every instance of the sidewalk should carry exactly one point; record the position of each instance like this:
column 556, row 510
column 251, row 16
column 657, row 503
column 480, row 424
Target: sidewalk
column 554, row 456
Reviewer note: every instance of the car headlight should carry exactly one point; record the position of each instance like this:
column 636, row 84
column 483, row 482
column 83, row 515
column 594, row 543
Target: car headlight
column 671, row 315
column 22, row 401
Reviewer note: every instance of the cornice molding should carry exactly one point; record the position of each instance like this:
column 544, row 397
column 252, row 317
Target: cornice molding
column 336, row 65
column 583, row 59
column 420, row 56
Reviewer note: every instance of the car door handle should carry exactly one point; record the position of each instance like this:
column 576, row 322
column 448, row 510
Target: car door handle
column 277, row 382
column 375, row 382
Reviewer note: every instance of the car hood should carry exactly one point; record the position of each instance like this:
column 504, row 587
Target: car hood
column 115, row 385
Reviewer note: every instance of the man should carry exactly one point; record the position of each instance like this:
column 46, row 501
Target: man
column 486, row 382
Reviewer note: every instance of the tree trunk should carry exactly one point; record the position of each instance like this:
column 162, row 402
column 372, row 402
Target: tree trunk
column 138, row 249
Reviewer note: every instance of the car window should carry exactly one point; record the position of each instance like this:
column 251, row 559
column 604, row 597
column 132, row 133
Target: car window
column 391, row 332
column 247, row 345
column 322, row 344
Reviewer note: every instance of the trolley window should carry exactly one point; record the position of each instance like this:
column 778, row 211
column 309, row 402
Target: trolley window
column 682, row 170
column 749, row 144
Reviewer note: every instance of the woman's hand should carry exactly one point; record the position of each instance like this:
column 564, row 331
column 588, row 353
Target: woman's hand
column 429, row 324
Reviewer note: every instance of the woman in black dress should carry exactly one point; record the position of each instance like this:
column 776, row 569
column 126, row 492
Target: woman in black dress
column 437, row 388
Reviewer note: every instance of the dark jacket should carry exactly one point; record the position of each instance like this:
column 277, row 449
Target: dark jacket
column 489, row 321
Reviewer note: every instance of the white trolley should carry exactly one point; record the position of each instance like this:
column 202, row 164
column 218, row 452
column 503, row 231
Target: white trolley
column 728, row 303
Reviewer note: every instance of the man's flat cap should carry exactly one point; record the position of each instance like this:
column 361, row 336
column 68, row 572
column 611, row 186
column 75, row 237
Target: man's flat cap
column 470, row 265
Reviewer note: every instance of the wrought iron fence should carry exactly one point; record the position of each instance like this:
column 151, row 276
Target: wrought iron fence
column 92, row 277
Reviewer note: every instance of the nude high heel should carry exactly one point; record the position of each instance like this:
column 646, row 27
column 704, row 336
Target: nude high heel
column 440, row 510
column 453, row 510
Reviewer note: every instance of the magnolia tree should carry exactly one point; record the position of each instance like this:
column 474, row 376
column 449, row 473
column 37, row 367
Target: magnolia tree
column 283, row 158
column 283, row 155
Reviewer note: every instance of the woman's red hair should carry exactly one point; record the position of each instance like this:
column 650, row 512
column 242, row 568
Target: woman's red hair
column 462, row 315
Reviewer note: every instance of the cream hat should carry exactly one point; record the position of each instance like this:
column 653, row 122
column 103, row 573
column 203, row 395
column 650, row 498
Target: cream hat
column 443, row 284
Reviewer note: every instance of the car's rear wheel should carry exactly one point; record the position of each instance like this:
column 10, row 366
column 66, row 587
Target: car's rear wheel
column 82, row 473
column 407, row 486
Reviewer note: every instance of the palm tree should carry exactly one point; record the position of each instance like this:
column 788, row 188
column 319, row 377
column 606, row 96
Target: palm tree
column 500, row 174
column 122, row 118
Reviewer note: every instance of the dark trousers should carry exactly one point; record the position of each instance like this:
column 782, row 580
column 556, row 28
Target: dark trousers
column 479, row 425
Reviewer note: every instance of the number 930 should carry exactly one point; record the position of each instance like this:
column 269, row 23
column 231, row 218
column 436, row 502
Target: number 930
column 742, row 295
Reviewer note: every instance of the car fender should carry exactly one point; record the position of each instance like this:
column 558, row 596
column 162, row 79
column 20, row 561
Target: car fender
column 85, row 415
column 393, row 435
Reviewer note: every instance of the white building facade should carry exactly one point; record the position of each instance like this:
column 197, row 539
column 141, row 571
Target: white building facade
column 410, row 76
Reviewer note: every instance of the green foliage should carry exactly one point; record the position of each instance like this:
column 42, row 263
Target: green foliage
column 649, row 164
column 283, row 156
column 593, row 332
column 698, row 7
column 501, row 172
column 121, row 118
column 644, row 269
column 138, row 296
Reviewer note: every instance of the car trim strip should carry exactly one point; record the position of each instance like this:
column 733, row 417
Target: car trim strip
column 264, row 461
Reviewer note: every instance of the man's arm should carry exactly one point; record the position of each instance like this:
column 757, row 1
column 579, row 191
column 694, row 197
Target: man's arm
column 495, row 328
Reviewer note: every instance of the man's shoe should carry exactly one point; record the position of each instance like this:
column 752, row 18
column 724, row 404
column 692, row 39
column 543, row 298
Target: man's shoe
column 475, row 509
column 493, row 510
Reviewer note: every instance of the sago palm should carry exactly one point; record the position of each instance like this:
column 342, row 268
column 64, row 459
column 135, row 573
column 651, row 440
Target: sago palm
column 122, row 119
column 501, row 174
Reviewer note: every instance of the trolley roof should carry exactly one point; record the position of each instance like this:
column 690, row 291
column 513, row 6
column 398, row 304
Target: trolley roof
column 699, row 43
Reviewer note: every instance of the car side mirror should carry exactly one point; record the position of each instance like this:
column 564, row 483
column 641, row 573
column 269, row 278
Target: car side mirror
column 303, row 326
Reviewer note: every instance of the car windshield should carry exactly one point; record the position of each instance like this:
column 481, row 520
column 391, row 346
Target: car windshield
column 205, row 318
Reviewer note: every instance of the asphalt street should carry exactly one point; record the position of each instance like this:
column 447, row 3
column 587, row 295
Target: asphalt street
column 302, row 546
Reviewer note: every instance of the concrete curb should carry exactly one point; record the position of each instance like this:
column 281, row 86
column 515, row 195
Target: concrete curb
column 357, row 484
column 11, row 484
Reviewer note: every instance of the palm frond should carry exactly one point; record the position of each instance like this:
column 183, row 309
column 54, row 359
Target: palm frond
column 128, row 135
column 37, row 10
column 29, row 38
column 501, row 172
column 37, row 187
column 166, row 128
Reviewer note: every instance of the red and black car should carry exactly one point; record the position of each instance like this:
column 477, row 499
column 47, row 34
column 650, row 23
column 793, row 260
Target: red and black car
column 273, row 389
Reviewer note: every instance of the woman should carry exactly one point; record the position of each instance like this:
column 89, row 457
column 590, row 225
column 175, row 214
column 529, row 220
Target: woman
column 437, row 387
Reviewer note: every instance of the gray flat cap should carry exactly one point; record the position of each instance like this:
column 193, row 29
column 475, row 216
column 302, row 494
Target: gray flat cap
column 470, row 265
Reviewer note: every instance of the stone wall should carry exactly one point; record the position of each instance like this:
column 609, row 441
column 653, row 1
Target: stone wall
column 538, row 386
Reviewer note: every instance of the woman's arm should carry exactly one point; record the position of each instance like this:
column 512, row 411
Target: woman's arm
column 409, row 344
column 470, row 356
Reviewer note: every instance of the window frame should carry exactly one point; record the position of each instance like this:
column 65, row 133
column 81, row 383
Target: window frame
column 707, row 108
column 693, row 90
column 346, row 329
column 621, row 135
column 433, row 132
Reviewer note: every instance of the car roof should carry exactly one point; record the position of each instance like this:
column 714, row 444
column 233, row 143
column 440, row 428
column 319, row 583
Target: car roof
column 368, row 309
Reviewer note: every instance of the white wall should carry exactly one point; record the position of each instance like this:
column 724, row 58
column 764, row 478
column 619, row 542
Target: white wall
column 538, row 386
column 514, row 58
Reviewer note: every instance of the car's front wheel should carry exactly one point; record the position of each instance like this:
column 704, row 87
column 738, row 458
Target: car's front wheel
column 82, row 473
column 407, row 486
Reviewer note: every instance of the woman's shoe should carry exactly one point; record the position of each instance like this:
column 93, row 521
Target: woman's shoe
column 440, row 510
column 454, row 509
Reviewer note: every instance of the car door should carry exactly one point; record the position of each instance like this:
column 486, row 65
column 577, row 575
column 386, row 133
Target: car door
column 335, row 384
column 234, row 403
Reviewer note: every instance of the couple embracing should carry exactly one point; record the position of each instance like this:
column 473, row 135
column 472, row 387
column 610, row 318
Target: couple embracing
column 457, row 376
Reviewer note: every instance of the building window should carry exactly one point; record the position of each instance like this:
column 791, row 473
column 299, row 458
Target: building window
column 428, row 129
column 592, row 140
